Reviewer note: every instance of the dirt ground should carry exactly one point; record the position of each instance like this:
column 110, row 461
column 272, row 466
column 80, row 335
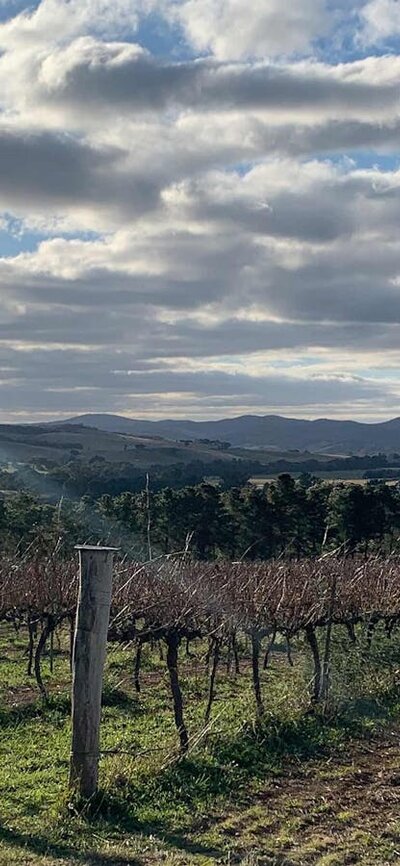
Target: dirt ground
column 342, row 810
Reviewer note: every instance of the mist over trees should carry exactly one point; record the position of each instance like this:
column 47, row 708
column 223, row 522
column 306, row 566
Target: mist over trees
column 287, row 517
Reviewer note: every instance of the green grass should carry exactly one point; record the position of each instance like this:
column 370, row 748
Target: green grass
column 245, row 791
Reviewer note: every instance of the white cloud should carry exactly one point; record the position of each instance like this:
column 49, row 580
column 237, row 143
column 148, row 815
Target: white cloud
column 380, row 20
column 231, row 29
column 61, row 20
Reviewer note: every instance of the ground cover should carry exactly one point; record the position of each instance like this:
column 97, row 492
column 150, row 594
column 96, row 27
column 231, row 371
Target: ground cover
column 294, row 789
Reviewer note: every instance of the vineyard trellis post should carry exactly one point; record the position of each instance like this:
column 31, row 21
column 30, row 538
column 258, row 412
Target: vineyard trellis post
column 89, row 651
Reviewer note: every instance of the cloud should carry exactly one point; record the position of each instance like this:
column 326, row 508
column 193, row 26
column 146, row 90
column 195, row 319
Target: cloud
column 88, row 380
column 67, row 179
column 136, row 128
column 117, row 95
column 60, row 20
column 214, row 234
column 312, row 240
column 110, row 76
column 380, row 21
column 230, row 30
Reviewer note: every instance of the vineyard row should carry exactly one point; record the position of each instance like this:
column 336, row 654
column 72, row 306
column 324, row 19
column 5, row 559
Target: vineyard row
column 175, row 599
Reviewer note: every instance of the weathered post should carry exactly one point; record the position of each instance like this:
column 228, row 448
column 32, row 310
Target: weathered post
column 89, row 651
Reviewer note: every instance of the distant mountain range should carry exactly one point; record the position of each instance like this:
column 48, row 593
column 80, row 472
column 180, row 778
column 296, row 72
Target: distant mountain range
column 269, row 431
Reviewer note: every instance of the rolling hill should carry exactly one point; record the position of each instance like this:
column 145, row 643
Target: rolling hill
column 58, row 443
column 270, row 431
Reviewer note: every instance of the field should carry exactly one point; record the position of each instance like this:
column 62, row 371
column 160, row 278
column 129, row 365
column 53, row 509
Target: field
column 270, row 455
column 296, row 790
column 276, row 778
column 340, row 477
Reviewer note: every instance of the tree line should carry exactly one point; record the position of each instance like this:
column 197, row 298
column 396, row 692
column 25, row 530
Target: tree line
column 287, row 517
column 78, row 477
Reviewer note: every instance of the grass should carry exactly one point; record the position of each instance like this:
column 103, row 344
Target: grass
column 297, row 789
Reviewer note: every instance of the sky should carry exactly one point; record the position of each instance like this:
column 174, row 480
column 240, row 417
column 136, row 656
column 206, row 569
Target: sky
column 200, row 208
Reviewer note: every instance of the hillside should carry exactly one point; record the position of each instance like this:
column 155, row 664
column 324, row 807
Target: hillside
column 73, row 459
column 59, row 443
column 270, row 431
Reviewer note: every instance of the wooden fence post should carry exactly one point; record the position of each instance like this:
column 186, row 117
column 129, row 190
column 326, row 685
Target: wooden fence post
column 89, row 651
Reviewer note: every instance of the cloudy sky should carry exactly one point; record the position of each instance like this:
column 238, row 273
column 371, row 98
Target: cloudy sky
column 200, row 208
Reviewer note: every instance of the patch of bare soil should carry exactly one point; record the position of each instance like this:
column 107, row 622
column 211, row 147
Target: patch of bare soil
column 339, row 811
